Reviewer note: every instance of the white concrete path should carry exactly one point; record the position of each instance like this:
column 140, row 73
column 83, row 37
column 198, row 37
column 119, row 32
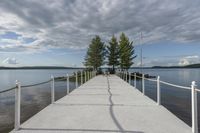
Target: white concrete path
column 104, row 105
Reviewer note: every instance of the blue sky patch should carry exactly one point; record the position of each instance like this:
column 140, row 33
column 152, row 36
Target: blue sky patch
column 10, row 35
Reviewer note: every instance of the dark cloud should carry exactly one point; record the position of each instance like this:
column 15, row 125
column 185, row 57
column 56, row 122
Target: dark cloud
column 61, row 23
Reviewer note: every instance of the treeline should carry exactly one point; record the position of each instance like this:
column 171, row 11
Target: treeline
column 116, row 53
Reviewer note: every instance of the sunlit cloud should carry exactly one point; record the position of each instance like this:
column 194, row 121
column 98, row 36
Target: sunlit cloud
column 192, row 59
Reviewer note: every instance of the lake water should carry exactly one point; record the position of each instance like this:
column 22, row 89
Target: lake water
column 33, row 99
column 176, row 100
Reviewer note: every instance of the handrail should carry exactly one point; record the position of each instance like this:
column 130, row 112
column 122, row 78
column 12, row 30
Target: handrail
column 8, row 89
column 178, row 86
column 25, row 86
column 153, row 80
column 31, row 85
column 167, row 83
column 198, row 90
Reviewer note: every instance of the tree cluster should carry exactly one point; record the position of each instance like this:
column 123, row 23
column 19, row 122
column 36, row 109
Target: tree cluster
column 117, row 53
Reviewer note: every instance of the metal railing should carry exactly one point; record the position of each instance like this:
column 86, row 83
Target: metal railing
column 87, row 74
column 193, row 87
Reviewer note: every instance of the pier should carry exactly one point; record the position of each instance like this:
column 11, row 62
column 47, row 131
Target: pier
column 105, row 103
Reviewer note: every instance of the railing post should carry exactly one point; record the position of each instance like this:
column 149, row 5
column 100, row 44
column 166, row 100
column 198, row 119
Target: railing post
column 194, row 108
column 143, row 87
column 85, row 77
column 158, row 90
column 81, row 77
column 17, row 105
column 126, row 76
column 129, row 77
column 88, row 78
column 67, row 83
column 135, row 80
column 52, row 90
column 76, row 79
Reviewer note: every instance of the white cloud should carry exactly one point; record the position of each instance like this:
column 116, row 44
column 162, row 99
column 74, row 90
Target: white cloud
column 180, row 60
column 192, row 57
column 71, row 24
column 184, row 62
column 10, row 61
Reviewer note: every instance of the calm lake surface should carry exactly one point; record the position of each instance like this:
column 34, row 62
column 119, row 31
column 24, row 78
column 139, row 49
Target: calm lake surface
column 176, row 100
column 34, row 99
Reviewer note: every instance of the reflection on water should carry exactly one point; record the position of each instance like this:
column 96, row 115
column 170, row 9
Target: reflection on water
column 33, row 99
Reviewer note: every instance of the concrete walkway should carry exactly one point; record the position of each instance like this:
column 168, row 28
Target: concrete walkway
column 104, row 105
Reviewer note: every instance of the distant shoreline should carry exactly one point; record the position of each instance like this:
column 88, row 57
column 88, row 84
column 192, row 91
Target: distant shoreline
column 40, row 67
column 61, row 67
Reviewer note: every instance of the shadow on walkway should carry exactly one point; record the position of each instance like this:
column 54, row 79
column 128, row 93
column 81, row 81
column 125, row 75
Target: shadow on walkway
column 121, row 129
column 75, row 130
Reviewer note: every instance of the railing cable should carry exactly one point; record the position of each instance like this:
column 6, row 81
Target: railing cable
column 198, row 90
column 153, row 80
column 25, row 86
column 167, row 83
column 178, row 86
column 8, row 89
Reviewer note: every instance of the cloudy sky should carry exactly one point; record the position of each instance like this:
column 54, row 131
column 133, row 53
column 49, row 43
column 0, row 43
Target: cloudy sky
column 57, row 32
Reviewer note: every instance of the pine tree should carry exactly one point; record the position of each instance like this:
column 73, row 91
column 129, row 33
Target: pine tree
column 113, row 53
column 95, row 54
column 126, row 52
